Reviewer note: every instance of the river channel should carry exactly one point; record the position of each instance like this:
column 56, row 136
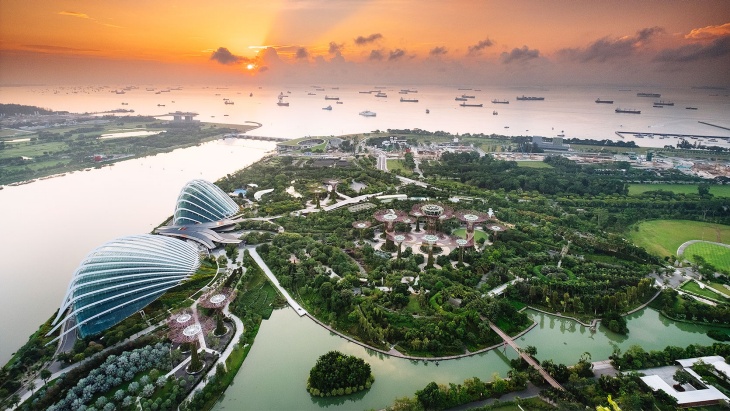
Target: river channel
column 274, row 375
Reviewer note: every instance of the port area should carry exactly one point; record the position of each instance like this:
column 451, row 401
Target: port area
column 624, row 134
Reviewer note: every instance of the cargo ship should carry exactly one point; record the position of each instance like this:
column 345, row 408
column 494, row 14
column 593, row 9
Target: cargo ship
column 500, row 101
column 628, row 111
column 460, row 99
column 663, row 103
column 408, row 100
column 530, row 98
column 648, row 95
column 381, row 94
column 599, row 101
column 470, row 105
column 331, row 98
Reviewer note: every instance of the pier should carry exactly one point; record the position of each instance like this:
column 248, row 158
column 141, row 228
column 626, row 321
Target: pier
column 263, row 138
column 623, row 134
column 508, row 340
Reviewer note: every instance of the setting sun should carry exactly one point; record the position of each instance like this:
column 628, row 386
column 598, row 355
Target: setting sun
column 250, row 66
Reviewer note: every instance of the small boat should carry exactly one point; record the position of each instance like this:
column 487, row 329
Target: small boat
column 125, row 104
column 428, row 111
column 365, row 92
column 460, row 99
column 599, row 101
column 690, row 108
column 331, row 98
column 561, row 135
column 500, row 101
column 281, row 101
column 465, row 96
column 160, row 105
column 381, row 94
column 311, row 94
column 250, row 94
column 327, row 108
column 658, row 106
column 408, row 100
column 339, row 102
column 494, row 113
column 367, row 113
column 228, row 102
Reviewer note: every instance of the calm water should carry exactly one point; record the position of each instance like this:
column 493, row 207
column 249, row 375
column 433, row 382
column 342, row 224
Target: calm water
column 275, row 372
column 568, row 109
column 50, row 225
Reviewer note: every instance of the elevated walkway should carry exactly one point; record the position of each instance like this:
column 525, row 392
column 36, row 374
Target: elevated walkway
column 265, row 268
column 508, row 340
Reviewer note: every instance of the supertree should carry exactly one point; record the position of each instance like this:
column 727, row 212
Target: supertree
column 389, row 217
column 216, row 300
column 361, row 226
column 471, row 218
column 462, row 244
column 191, row 334
column 495, row 228
column 316, row 189
column 180, row 320
column 333, row 183
column 399, row 238
column 433, row 213
column 430, row 240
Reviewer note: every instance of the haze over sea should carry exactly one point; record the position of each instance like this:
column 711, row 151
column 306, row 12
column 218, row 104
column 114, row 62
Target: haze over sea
column 569, row 110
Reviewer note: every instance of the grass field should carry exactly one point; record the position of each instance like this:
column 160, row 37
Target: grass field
column 461, row 232
column 533, row 164
column 637, row 189
column 695, row 288
column 663, row 237
column 716, row 255
column 396, row 165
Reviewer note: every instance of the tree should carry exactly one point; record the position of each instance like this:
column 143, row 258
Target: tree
column 45, row 375
column 703, row 189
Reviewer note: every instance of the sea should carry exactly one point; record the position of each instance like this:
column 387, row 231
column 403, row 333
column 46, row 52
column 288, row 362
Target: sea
column 566, row 111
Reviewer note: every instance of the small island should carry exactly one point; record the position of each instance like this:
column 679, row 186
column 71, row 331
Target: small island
column 338, row 374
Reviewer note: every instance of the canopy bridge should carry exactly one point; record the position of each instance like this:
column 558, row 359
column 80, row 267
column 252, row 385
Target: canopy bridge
column 508, row 340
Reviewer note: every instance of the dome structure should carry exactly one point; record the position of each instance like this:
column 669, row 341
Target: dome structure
column 201, row 201
column 120, row 278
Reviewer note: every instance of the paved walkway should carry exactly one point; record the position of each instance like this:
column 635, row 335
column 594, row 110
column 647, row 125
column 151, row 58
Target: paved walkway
column 349, row 201
column 265, row 268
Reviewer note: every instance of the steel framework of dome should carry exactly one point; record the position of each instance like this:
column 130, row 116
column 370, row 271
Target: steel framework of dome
column 120, row 278
column 201, row 201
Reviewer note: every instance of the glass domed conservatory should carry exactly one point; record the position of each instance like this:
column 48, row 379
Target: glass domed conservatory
column 120, row 278
column 202, row 202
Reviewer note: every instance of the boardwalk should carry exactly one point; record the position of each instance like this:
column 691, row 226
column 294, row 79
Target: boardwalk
column 507, row 339
column 265, row 268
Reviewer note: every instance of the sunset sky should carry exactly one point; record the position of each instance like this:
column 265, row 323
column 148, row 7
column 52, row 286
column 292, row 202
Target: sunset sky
column 365, row 41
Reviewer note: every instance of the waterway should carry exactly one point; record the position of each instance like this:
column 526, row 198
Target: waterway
column 50, row 225
column 275, row 372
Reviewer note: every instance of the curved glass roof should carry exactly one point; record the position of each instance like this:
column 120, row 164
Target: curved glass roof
column 121, row 277
column 201, row 201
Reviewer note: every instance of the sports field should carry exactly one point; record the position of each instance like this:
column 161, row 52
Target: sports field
column 533, row 164
column 714, row 254
column 717, row 191
column 663, row 237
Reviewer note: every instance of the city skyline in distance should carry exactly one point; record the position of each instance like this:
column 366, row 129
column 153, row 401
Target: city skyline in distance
column 366, row 41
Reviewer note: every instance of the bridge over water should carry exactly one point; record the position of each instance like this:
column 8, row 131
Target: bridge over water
column 508, row 340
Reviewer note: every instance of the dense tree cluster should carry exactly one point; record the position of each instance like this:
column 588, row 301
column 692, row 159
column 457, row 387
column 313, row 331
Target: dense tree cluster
column 684, row 307
column 636, row 358
column 115, row 371
column 338, row 374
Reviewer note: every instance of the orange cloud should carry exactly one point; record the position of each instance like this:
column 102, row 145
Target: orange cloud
column 709, row 32
column 74, row 14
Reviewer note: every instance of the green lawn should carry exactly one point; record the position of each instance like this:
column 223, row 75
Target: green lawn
column 716, row 255
column 396, row 165
column 637, row 189
column 533, row 164
column 663, row 237
column 694, row 288
column 461, row 232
